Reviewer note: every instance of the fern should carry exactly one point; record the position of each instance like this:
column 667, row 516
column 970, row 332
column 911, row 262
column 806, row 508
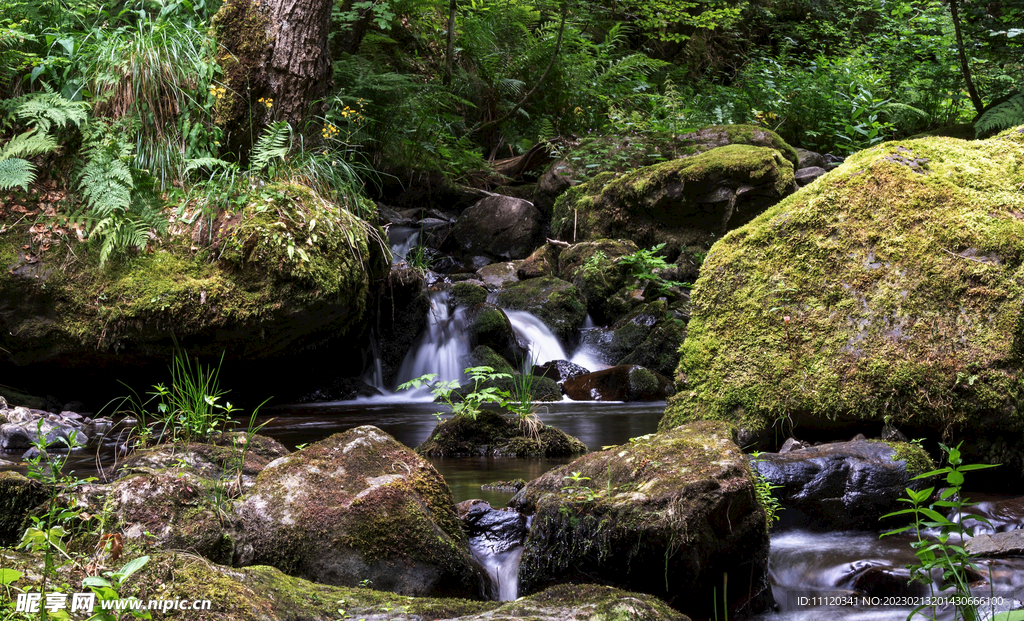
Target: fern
column 106, row 180
column 28, row 144
column 275, row 143
column 1008, row 114
column 16, row 172
column 48, row 109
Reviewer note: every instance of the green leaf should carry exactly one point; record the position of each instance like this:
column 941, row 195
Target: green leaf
column 130, row 568
column 9, row 576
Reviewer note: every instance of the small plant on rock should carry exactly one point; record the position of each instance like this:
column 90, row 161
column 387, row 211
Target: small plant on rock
column 469, row 404
column 645, row 265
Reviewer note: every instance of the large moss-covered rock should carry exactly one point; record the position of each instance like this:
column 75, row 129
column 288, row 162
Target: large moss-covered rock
column 491, row 434
column 557, row 303
column 666, row 515
column 356, row 506
column 685, row 204
column 498, row 226
column 488, row 325
column 264, row 593
column 271, row 284
column 604, row 282
column 889, row 290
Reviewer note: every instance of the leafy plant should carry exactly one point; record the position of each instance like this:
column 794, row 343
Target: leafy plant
column 469, row 404
column 763, row 490
column 577, row 491
column 645, row 265
column 1010, row 113
column 947, row 553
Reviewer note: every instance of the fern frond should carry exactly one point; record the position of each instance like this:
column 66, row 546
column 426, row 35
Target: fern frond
column 210, row 163
column 106, row 181
column 1008, row 114
column 28, row 144
column 16, row 172
column 46, row 109
column 275, row 143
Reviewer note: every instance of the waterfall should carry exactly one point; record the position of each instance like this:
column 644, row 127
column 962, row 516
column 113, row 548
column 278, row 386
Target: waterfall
column 443, row 346
column 501, row 567
column 544, row 346
column 374, row 376
column 402, row 239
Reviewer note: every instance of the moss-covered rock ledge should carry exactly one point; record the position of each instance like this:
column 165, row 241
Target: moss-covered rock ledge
column 888, row 291
column 288, row 271
column 263, row 593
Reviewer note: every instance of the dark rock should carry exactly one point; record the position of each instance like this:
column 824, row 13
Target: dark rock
column 559, row 370
column 593, row 268
column 492, row 434
column 807, row 175
column 498, row 226
column 648, row 336
column 359, row 505
column 19, row 497
column 791, row 444
column 512, row 486
column 557, row 303
column 841, row 485
column 667, row 515
column 621, row 383
column 809, row 159
column 401, row 315
column 495, row 530
column 341, row 389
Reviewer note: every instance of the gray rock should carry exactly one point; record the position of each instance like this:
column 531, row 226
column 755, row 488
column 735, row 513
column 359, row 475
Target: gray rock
column 501, row 227
column 1009, row 543
column 810, row 159
column 807, row 175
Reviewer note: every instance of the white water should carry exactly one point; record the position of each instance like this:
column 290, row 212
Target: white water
column 443, row 346
column 402, row 239
column 502, row 568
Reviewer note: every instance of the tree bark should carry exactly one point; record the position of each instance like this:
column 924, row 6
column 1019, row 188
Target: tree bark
column 964, row 67
column 450, row 48
column 299, row 71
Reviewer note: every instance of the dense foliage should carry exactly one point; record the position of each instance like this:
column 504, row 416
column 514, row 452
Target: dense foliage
column 124, row 102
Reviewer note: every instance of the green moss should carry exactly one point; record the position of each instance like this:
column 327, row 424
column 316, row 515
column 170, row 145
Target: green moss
column 493, row 434
column 466, row 294
column 1014, row 134
column 901, row 275
column 258, row 284
column 917, row 459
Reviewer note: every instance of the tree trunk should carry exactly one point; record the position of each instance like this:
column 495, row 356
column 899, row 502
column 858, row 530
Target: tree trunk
column 973, row 92
column 450, row 47
column 276, row 64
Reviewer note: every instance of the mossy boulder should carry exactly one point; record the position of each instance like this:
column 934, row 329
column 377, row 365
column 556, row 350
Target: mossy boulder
column 467, row 294
column 179, row 509
column 557, row 303
column 888, row 291
column 604, row 282
column 543, row 262
column 686, row 204
column 272, row 285
column 222, row 455
column 648, row 336
column 359, row 505
column 667, row 515
column 842, row 485
column 488, row 325
column 262, row 593
column 621, row 383
column 19, row 496
column 500, row 227
column 492, row 434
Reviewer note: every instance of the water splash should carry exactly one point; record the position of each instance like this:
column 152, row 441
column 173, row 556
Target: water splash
column 402, row 239
column 443, row 346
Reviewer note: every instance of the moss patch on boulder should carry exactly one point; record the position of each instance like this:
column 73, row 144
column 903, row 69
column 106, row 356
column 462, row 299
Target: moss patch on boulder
column 359, row 505
column 557, row 303
column 666, row 515
column 889, row 288
column 682, row 203
column 19, row 496
column 467, row 294
column 492, row 434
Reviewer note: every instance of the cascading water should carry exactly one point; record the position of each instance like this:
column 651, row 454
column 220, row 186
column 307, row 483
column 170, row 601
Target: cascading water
column 543, row 345
column 402, row 239
column 443, row 346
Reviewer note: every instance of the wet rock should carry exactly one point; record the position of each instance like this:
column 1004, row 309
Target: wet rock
column 512, row 486
column 489, row 326
column 27, row 427
column 809, row 159
column 19, row 497
column 593, row 268
column 648, row 336
column 401, row 315
column 843, row 484
column 495, row 529
column 494, row 435
column 1002, row 515
column 791, row 444
column 559, row 370
column 501, row 227
column 557, row 303
column 667, row 515
column 359, row 505
column 621, row 383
